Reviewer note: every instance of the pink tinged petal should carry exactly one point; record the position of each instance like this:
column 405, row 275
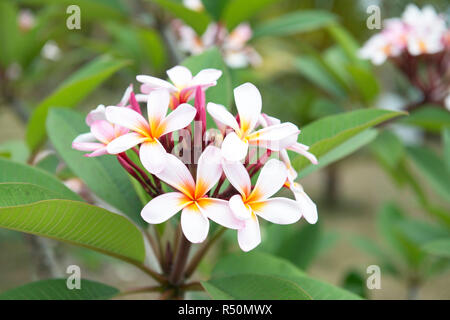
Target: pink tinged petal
column 307, row 207
column 151, row 83
column 99, row 152
column 125, row 142
column 222, row 115
column 206, row 77
column 134, row 104
column 218, row 211
column 238, row 176
column 126, row 96
column 180, row 76
column 95, row 115
column 127, row 118
column 157, row 106
column 163, row 207
column 292, row 174
column 177, row 175
column 239, row 209
column 153, row 156
column 87, row 146
column 272, row 177
column 278, row 210
column 120, row 131
column 194, row 223
column 300, row 149
column 248, row 103
column 85, row 137
column 233, row 148
column 103, row 131
column 249, row 237
column 178, row 119
column 277, row 136
column 209, row 170
column 265, row 120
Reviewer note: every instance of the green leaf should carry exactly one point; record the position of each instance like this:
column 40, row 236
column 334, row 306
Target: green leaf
column 103, row 175
column 238, row 11
column 355, row 282
column 221, row 93
column 429, row 117
column 70, row 93
column 80, row 224
column 56, row 289
column 15, row 150
column 11, row 171
column 446, row 142
column 327, row 133
column 295, row 22
column 215, row 8
column 348, row 44
column 388, row 148
column 433, row 168
column 258, row 263
column 365, row 81
column 9, row 32
column 197, row 20
column 19, row 193
column 440, row 248
column 340, row 152
column 254, row 287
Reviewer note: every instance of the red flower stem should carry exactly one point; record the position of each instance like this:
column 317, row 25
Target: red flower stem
column 140, row 171
column 130, row 170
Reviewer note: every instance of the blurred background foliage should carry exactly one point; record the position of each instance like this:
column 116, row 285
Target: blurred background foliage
column 387, row 204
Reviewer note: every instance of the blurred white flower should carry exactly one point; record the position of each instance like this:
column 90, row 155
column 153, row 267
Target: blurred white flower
column 26, row 20
column 51, row 51
column 447, row 102
column 195, row 5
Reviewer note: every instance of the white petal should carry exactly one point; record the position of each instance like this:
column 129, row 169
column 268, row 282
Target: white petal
column 300, row 149
column 127, row 118
column 248, row 103
column 276, row 137
column 222, row 115
column 209, row 170
column 179, row 118
column 85, row 137
column 126, row 96
column 153, row 156
column 154, row 83
column 278, row 210
column 125, row 142
column 163, row 207
column 194, row 224
column 206, row 77
column 96, row 114
column 233, row 148
column 180, row 76
column 177, row 175
column 219, row 211
column 272, row 177
column 249, row 237
column 238, row 176
column 307, row 207
column 157, row 106
column 238, row 208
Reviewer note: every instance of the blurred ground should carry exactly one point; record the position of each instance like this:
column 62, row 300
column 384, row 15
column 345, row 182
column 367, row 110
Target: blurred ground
column 363, row 187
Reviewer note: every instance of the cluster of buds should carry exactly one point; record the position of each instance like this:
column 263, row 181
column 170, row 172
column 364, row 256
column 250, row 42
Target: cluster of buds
column 209, row 170
column 235, row 50
column 419, row 40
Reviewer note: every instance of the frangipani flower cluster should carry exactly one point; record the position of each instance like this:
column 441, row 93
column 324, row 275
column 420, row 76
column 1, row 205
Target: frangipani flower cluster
column 217, row 186
column 417, row 32
column 235, row 50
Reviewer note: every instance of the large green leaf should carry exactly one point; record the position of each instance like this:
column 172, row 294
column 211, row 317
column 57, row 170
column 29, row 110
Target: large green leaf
column 429, row 117
column 197, row 20
column 11, row 171
column 56, row 289
column 257, row 263
column 69, row 93
column 254, row 287
column 440, row 248
column 238, row 11
column 77, row 223
column 15, row 150
column 341, row 151
column 8, row 32
column 19, row 193
column 433, row 168
column 327, row 133
column 294, row 22
column 215, row 8
column 103, row 175
column 221, row 93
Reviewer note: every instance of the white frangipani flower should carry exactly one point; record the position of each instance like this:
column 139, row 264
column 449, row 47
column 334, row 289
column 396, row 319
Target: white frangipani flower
column 146, row 133
column 191, row 197
column 249, row 103
column 249, row 204
column 182, row 88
